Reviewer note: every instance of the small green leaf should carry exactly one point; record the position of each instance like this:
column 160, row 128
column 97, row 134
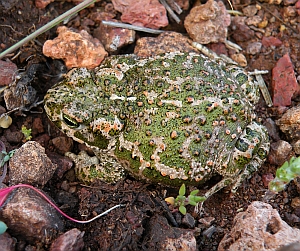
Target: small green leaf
column 3, row 227
column 6, row 158
column 199, row 199
column 182, row 210
column 194, row 192
column 182, row 190
column 193, row 203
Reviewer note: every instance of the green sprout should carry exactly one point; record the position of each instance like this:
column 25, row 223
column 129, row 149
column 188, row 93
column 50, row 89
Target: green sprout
column 5, row 157
column 3, row 227
column 181, row 200
column 287, row 172
column 26, row 132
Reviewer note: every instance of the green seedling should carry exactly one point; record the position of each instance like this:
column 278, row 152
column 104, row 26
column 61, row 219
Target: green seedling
column 3, row 227
column 26, row 132
column 287, row 172
column 181, row 200
column 5, row 157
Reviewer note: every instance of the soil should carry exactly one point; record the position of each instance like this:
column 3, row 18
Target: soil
column 126, row 228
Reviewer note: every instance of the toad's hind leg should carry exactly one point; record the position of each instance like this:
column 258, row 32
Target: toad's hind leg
column 249, row 154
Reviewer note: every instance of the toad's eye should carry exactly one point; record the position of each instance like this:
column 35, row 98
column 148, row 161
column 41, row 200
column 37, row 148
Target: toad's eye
column 72, row 123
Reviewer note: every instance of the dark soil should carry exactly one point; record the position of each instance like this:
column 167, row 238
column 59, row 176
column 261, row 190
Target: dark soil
column 126, row 228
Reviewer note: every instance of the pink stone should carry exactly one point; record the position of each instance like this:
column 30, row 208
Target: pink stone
column 41, row 4
column 271, row 41
column 7, row 72
column 145, row 13
column 77, row 49
column 208, row 23
column 71, row 240
column 259, row 228
column 284, row 83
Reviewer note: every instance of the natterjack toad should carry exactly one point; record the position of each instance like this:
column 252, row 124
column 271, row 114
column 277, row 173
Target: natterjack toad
column 170, row 119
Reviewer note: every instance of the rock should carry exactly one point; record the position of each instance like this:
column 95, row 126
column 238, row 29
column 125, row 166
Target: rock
column 289, row 2
column 271, row 41
column 113, row 38
column 254, row 48
column 13, row 136
column 240, row 59
column 37, row 126
column 145, row 13
column 250, row 10
column 280, row 152
column 289, row 11
column 289, row 123
column 208, row 23
column 266, row 178
column 255, row 21
column 71, row 240
column 284, row 83
column 290, row 247
column 7, row 243
column 165, row 42
column 20, row 94
column 296, row 146
column 7, row 72
column 164, row 237
column 62, row 144
column 63, row 163
column 188, row 221
column 272, row 129
column 43, row 139
column 41, row 4
column 30, row 165
column 241, row 32
column 295, row 202
column 28, row 216
column 259, row 228
column 77, row 49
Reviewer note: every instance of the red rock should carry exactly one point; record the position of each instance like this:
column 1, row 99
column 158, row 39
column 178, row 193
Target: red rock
column 145, row 13
column 284, row 83
column 37, row 126
column 7, row 243
column 114, row 38
column 76, row 49
column 31, row 217
column 241, row 32
column 62, row 144
column 208, row 22
column 183, row 4
column 271, row 41
column 71, row 240
column 41, row 4
column 63, row 163
column 7, row 72
column 266, row 178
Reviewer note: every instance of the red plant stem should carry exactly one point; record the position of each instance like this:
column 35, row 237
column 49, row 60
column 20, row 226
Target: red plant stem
column 56, row 207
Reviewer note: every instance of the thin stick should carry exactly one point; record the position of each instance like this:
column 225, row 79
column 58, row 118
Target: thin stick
column 132, row 27
column 48, row 26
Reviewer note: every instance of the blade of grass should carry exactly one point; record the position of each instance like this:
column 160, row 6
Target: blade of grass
column 48, row 26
